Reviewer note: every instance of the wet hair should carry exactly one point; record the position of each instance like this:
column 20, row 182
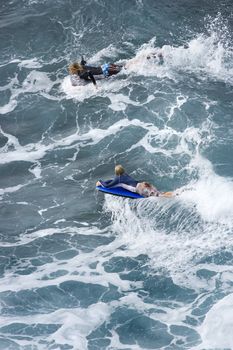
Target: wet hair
column 147, row 185
column 75, row 68
column 119, row 170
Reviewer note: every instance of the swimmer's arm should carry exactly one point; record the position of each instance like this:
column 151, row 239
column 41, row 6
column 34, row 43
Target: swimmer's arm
column 88, row 76
column 83, row 62
column 91, row 76
column 109, row 183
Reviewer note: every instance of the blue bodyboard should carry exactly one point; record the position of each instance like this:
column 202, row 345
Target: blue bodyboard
column 119, row 191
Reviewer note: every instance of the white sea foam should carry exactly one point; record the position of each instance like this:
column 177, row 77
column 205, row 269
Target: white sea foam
column 35, row 82
column 110, row 52
column 203, row 54
column 208, row 54
column 9, row 107
column 30, row 63
column 79, row 92
column 105, row 88
column 140, row 65
column 12, row 189
column 34, row 152
column 78, row 269
column 216, row 330
column 119, row 102
column 212, row 194
column 36, row 170
column 75, row 324
column 180, row 101
column 157, row 140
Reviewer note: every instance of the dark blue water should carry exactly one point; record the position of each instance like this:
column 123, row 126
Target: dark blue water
column 83, row 270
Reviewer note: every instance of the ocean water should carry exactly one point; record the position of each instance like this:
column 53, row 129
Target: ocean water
column 83, row 270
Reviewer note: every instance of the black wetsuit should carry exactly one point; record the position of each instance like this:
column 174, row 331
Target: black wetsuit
column 89, row 72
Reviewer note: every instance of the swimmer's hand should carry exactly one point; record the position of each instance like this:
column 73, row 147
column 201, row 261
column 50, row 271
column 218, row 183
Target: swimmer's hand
column 98, row 183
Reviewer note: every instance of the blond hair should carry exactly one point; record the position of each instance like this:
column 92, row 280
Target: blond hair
column 75, row 68
column 119, row 170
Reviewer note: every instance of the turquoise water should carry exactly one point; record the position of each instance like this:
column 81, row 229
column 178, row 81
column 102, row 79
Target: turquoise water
column 83, row 270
